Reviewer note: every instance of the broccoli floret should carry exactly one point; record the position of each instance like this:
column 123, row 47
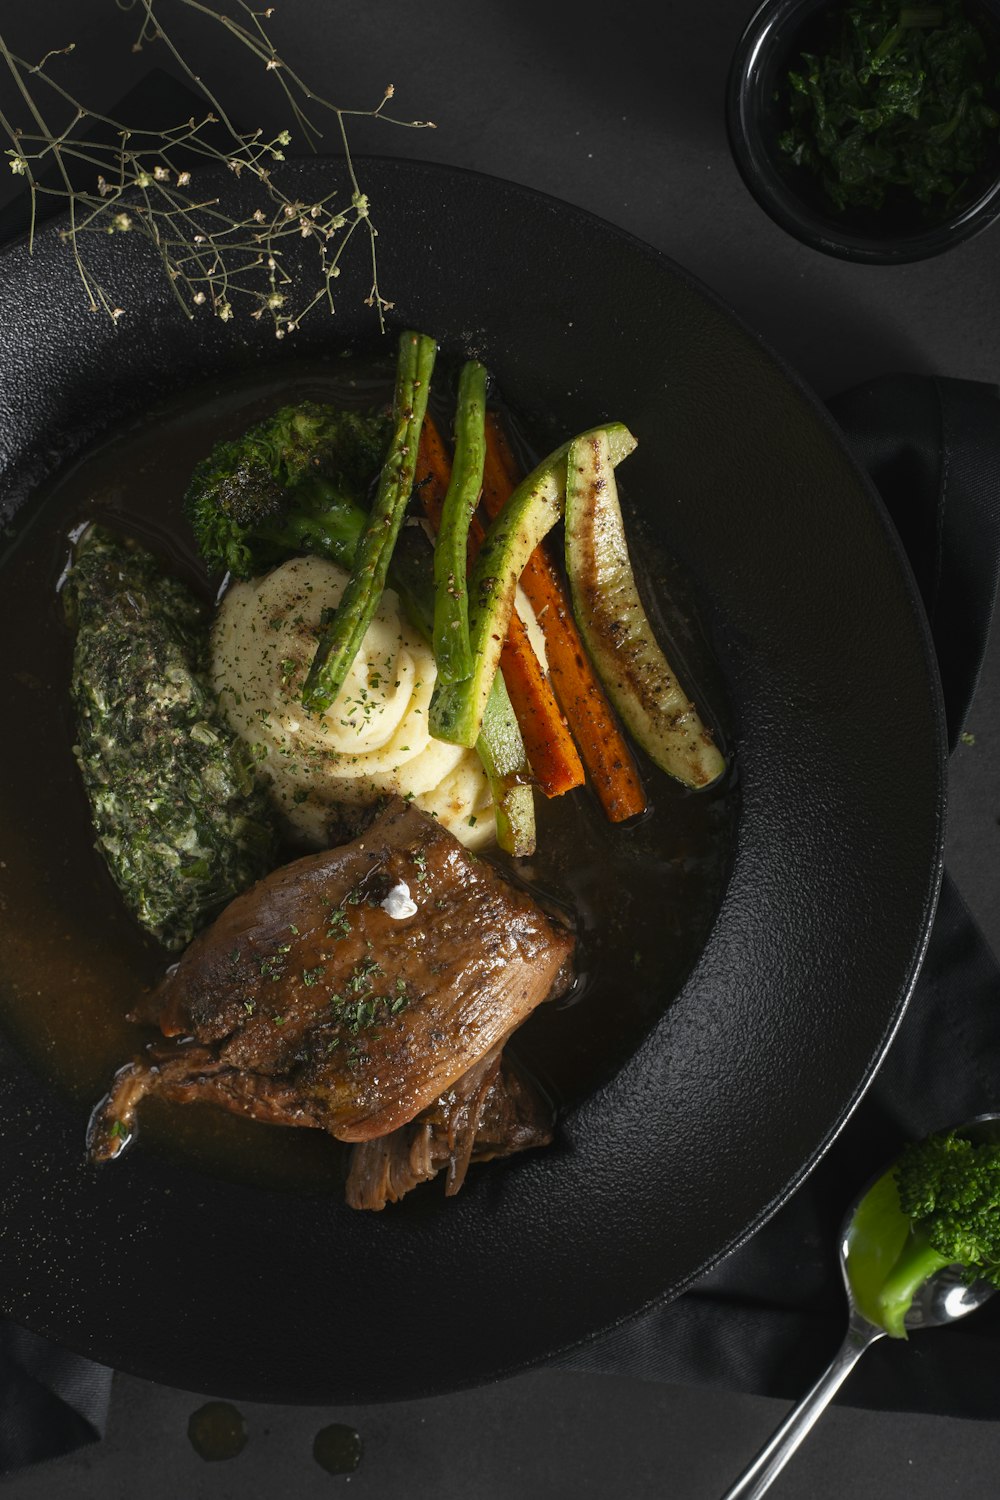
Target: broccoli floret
column 947, row 1190
column 951, row 1188
column 296, row 482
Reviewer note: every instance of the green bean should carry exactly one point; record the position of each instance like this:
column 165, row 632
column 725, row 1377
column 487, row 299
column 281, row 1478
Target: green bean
column 456, row 712
column 452, row 650
column 341, row 640
column 500, row 747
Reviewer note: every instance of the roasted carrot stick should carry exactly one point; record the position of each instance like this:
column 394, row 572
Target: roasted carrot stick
column 554, row 760
column 602, row 744
column 546, row 738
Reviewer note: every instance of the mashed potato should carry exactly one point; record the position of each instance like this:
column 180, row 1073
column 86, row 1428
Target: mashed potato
column 374, row 739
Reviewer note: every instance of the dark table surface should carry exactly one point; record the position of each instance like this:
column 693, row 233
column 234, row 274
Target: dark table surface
column 618, row 110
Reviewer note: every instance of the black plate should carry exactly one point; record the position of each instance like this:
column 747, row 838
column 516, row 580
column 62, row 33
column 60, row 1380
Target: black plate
column 813, row 619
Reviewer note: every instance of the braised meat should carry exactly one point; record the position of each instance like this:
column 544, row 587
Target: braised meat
column 352, row 991
column 491, row 1111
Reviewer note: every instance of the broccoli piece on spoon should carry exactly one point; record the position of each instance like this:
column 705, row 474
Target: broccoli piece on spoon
column 938, row 1206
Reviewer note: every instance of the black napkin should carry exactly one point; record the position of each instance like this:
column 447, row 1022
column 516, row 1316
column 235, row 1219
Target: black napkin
column 51, row 1401
column 769, row 1317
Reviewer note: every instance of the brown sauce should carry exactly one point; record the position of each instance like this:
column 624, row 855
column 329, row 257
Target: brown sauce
column 644, row 895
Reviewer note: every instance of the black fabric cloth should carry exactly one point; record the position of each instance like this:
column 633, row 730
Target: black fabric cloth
column 51, row 1401
column 932, row 447
column 767, row 1319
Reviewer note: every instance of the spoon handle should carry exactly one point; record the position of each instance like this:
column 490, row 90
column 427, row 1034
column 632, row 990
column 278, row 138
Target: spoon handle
column 775, row 1454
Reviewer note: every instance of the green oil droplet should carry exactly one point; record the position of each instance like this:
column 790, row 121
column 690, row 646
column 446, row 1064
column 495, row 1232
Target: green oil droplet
column 217, row 1431
column 337, row 1449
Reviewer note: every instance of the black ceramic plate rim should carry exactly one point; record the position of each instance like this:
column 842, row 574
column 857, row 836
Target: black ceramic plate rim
column 671, row 271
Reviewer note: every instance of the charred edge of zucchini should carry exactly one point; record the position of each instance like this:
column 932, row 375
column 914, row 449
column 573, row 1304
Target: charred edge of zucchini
column 620, row 640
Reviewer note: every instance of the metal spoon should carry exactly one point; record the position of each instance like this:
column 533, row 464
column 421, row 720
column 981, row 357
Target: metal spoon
column 942, row 1298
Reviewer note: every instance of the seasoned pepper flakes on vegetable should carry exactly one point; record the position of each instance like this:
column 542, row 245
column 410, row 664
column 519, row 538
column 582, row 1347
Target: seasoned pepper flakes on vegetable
column 451, row 604
column 178, row 814
column 640, row 681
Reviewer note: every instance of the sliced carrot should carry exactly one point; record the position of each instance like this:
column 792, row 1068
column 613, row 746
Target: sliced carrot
column 433, row 471
column 602, row 744
column 547, row 740
column 555, row 762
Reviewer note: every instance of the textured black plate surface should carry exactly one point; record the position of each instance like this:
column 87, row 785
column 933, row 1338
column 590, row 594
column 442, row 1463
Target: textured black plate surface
column 812, row 619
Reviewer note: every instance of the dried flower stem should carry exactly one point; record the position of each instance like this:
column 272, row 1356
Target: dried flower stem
column 140, row 182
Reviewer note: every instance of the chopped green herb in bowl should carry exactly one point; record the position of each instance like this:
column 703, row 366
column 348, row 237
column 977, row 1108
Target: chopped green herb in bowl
column 870, row 129
column 897, row 98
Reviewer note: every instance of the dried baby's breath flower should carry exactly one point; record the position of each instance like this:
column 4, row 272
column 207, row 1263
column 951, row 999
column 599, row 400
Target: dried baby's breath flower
column 144, row 186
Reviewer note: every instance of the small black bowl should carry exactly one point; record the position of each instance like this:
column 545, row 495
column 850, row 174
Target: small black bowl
column 903, row 230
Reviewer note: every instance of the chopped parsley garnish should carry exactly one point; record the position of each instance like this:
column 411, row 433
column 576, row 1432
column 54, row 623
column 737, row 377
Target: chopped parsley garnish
column 362, row 974
column 357, row 1012
column 339, row 924
column 274, row 967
